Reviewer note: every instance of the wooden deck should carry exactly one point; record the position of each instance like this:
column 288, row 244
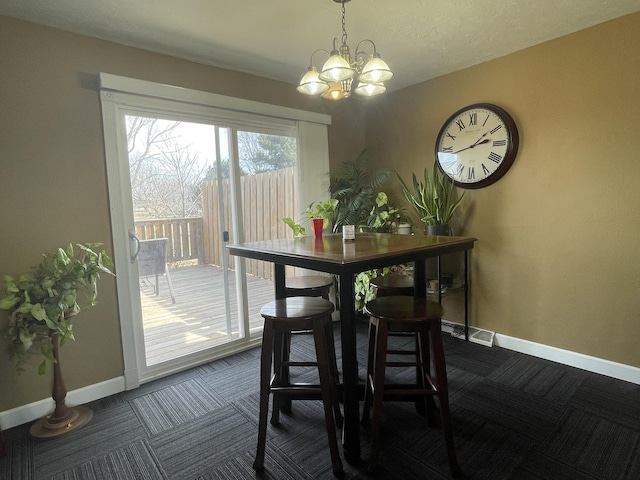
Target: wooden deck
column 197, row 320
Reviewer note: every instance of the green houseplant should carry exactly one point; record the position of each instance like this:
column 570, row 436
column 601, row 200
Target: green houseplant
column 361, row 202
column 433, row 198
column 42, row 305
column 324, row 210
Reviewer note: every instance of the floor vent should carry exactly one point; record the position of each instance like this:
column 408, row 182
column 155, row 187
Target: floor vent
column 476, row 335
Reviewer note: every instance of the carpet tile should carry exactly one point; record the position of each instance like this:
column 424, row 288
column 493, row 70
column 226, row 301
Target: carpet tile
column 515, row 417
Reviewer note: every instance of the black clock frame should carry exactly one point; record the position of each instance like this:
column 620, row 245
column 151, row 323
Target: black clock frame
column 510, row 155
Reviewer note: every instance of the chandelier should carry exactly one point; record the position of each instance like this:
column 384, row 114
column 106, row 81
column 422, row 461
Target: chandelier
column 341, row 70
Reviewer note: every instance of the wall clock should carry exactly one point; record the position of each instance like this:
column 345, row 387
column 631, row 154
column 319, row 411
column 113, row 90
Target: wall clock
column 477, row 145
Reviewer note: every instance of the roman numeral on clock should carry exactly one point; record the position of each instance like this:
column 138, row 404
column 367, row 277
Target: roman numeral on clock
column 485, row 170
column 459, row 170
column 447, row 149
column 460, row 124
column 472, row 173
column 494, row 157
column 499, row 143
column 495, row 129
column 473, row 119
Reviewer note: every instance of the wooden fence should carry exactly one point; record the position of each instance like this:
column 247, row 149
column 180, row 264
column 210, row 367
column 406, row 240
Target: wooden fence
column 266, row 198
column 184, row 236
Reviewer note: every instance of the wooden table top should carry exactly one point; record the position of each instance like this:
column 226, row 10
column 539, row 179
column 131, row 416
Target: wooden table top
column 372, row 249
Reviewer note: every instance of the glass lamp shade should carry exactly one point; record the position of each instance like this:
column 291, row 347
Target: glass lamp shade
column 370, row 89
column 375, row 71
column 336, row 69
column 311, row 84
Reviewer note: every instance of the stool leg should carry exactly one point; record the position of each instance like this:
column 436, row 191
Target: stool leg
column 285, row 404
column 278, row 353
column 333, row 372
column 379, row 365
column 368, row 393
column 265, row 380
column 319, row 335
column 422, row 345
column 440, row 369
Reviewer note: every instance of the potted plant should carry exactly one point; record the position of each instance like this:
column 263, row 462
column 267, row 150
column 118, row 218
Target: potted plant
column 357, row 189
column 384, row 216
column 433, row 199
column 319, row 213
column 42, row 305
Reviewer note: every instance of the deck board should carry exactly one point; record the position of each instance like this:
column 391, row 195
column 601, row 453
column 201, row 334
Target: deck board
column 197, row 320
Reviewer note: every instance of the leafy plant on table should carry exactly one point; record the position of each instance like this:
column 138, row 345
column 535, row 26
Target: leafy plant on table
column 319, row 209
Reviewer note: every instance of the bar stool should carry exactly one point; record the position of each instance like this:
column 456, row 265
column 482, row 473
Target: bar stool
column 305, row 286
column 386, row 285
column 398, row 284
column 309, row 286
column 406, row 314
column 281, row 317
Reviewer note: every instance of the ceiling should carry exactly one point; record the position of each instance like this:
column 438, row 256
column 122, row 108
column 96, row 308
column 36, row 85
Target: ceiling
column 419, row 39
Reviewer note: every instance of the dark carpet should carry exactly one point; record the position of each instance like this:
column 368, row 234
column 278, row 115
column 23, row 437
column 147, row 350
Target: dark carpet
column 514, row 417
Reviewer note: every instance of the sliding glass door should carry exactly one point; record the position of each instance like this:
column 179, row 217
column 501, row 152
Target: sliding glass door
column 185, row 178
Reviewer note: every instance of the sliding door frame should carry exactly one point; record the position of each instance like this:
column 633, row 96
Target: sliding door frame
column 121, row 96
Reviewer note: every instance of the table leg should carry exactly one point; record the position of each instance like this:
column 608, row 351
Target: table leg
column 3, row 448
column 351, row 430
column 279, row 280
column 420, row 278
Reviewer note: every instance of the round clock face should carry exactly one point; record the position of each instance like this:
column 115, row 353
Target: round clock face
column 477, row 145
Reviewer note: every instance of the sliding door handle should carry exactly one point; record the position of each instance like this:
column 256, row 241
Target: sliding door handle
column 134, row 242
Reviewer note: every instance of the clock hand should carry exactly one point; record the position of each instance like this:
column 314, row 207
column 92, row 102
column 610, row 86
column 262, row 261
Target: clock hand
column 486, row 140
column 484, row 135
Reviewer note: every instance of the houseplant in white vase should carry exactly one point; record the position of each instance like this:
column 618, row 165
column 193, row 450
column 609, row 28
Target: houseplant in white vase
column 42, row 306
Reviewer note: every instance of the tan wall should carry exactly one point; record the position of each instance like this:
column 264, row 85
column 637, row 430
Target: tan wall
column 53, row 172
column 558, row 256
column 556, row 261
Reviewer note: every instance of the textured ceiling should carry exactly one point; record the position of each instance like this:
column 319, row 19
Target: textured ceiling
column 419, row 39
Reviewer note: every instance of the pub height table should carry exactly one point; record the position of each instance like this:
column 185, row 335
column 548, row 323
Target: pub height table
column 346, row 258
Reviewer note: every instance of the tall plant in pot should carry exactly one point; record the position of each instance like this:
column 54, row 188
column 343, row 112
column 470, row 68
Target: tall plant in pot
column 433, row 198
column 42, row 306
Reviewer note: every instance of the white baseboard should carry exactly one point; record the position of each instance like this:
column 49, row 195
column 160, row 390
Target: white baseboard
column 33, row 411
column 558, row 355
column 573, row 359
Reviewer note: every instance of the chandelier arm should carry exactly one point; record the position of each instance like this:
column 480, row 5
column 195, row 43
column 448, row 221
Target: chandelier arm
column 375, row 51
column 319, row 50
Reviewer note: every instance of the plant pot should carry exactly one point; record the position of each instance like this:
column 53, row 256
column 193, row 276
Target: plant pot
column 436, row 229
column 404, row 229
column 316, row 225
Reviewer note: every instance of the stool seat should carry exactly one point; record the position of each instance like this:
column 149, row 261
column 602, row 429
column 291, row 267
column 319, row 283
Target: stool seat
column 399, row 310
column 309, row 286
column 281, row 318
column 392, row 285
column 423, row 318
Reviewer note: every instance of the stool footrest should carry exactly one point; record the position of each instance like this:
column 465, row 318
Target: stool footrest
column 401, row 352
column 299, row 364
column 405, row 392
column 299, row 392
column 403, row 364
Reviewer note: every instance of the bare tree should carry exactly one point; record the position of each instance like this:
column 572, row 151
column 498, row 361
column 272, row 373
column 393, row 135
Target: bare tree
column 166, row 172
